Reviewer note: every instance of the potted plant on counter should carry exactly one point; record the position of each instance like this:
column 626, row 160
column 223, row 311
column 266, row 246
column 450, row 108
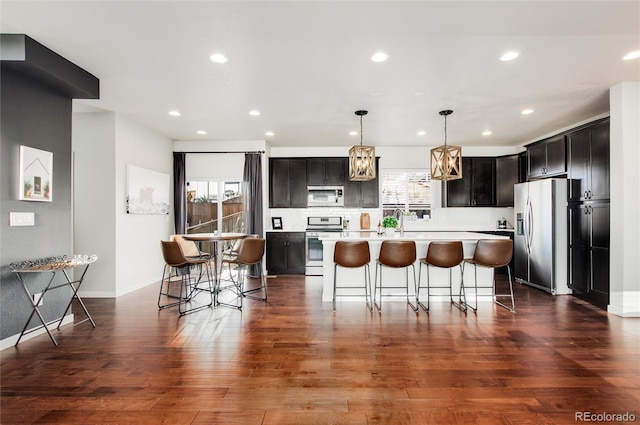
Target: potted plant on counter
column 389, row 223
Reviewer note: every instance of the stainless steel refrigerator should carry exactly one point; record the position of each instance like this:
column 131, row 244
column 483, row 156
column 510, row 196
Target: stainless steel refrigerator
column 540, row 240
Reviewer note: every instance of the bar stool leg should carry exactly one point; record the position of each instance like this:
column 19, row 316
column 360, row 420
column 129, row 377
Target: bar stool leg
column 413, row 307
column 367, row 284
column 512, row 309
column 375, row 288
column 462, row 295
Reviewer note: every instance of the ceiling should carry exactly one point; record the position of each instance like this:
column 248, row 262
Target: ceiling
column 306, row 66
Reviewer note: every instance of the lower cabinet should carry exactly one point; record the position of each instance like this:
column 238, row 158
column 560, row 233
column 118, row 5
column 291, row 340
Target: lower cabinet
column 589, row 252
column 285, row 253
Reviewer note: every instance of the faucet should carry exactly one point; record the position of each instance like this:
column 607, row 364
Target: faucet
column 399, row 215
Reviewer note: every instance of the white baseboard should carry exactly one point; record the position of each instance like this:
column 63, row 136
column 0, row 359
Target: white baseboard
column 11, row 341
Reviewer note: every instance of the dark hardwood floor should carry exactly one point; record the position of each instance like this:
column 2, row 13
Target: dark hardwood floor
column 295, row 361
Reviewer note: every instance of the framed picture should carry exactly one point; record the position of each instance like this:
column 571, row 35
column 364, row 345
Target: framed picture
column 147, row 191
column 36, row 175
column 276, row 222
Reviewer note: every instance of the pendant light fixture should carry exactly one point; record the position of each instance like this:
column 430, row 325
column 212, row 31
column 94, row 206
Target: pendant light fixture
column 446, row 160
column 362, row 159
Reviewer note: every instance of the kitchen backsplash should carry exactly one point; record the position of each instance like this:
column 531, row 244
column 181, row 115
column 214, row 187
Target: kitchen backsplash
column 441, row 218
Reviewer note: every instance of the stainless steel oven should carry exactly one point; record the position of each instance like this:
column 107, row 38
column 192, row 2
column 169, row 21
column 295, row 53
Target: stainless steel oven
column 313, row 245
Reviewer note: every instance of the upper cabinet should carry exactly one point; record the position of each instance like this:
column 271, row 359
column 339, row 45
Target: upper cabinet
column 589, row 162
column 325, row 171
column 547, row 158
column 477, row 186
column 287, row 183
column 360, row 194
column 507, row 175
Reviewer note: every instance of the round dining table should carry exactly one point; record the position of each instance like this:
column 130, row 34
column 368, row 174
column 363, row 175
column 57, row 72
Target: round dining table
column 215, row 238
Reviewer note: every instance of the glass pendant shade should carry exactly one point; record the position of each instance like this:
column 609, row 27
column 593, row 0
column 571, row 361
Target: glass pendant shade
column 362, row 163
column 362, row 159
column 446, row 160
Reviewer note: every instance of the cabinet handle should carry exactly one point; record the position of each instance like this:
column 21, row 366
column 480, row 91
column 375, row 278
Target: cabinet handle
column 586, row 193
column 590, row 194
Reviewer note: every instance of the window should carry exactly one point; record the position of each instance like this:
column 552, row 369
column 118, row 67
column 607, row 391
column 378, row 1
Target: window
column 408, row 190
column 204, row 208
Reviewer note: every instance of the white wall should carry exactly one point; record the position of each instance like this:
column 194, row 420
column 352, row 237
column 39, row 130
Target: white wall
column 138, row 256
column 127, row 245
column 93, row 136
column 625, row 200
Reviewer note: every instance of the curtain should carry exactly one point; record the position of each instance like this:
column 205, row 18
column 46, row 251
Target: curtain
column 252, row 185
column 179, row 193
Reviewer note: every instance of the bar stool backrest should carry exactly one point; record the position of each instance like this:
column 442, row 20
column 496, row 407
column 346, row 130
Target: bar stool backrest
column 493, row 252
column 251, row 251
column 172, row 254
column 351, row 253
column 445, row 254
column 397, row 253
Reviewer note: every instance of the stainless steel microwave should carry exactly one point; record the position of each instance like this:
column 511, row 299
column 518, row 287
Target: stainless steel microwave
column 325, row 196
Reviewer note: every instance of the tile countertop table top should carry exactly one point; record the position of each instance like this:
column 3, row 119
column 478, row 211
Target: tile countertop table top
column 422, row 239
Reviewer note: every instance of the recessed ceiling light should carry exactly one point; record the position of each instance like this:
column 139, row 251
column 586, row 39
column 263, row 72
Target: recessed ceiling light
column 421, row 133
column 527, row 111
column 353, row 133
column 418, row 93
column 254, row 113
column 632, row 55
column 487, row 133
column 201, row 132
column 218, row 58
column 509, row 56
column 175, row 113
column 269, row 133
column 374, row 94
column 380, row 57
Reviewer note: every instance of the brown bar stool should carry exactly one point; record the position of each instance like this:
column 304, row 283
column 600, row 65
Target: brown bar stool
column 396, row 254
column 446, row 255
column 493, row 253
column 178, row 267
column 352, row 255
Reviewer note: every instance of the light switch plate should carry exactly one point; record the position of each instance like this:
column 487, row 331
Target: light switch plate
column 22, row 219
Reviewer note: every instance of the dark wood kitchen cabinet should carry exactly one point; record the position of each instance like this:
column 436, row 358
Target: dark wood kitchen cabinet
column 287, row 183
column 589, row 162
column 589, row 252
column 325, row 171
column 476, row 188
column 285, row 252
column 360, row 194
column 547, row 158
column 507, row 175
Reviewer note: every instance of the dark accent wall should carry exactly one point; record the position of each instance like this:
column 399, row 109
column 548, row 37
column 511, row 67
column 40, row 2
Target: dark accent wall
column 35, row 113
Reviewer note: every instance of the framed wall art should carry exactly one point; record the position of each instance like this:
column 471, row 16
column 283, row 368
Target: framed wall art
column 276, row 222
column 36, row 175
column 147, row 191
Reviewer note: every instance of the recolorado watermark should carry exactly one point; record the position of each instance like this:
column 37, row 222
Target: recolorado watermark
column 604, row 417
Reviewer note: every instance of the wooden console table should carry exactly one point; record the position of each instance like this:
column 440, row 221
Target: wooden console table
column 53, row 265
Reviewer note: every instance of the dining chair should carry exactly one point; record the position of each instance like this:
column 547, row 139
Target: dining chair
column 250, row 254
column 177, row 269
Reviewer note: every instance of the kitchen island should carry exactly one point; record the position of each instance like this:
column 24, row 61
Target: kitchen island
column 439, row 277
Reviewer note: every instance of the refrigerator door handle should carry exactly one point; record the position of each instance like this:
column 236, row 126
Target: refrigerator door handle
column 529, row 225
column 527, row 244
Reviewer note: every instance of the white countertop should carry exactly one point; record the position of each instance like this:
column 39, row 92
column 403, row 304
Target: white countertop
column 353, row 235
